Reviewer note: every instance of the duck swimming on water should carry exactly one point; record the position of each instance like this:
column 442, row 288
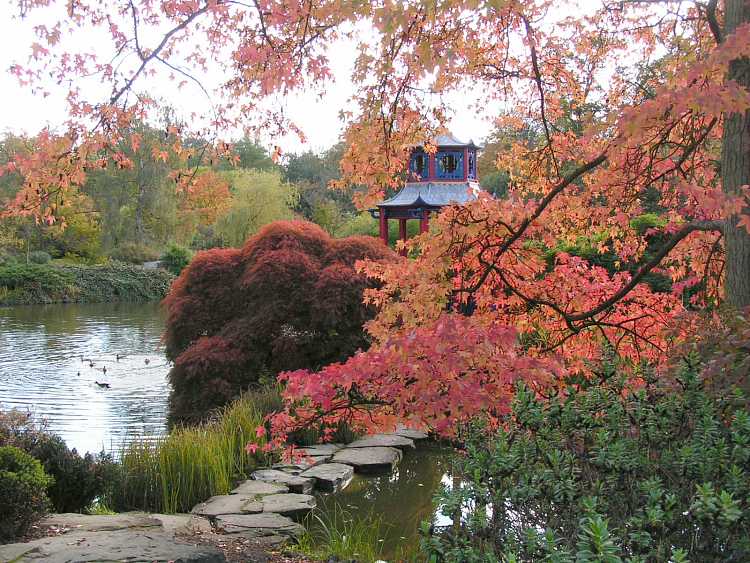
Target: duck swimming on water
column 103, row 385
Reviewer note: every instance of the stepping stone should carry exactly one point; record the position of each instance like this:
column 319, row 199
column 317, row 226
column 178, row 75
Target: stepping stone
column 415, row 435
column 297, row 467
column 295, row 483
column 369, row 460
column 381, row 441
column 103, row 523
column 152, row 545
column 259, row 525
column 289, row 504
column 259, row 488
column 228, row 504
column 330, row 477
column 320, row 449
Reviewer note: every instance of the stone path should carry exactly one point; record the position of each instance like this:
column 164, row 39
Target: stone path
column 266, row 508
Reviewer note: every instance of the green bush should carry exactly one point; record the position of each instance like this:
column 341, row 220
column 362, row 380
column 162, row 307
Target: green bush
column 606, row 471
column 175, row 258
column 78, row 480
column 134, row 253
column 23, row 485
column 22, row 284
column 39, row 257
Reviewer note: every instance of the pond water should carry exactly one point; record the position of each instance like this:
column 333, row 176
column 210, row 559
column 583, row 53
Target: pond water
column 46, row 357
column 393, row 505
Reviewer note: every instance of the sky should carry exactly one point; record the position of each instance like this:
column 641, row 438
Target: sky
column 23, row 112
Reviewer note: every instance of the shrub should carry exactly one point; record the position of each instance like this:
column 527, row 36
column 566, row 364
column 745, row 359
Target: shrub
column 134, row 253
column 78, row 481
column 289, row 299
column 606, row 471
column 35, row 283
column 175, row 258
column 23, row 485
column 39, row 257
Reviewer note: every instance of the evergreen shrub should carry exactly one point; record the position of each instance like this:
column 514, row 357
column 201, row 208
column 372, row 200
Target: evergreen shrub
column 23, row 485
column 606, row 470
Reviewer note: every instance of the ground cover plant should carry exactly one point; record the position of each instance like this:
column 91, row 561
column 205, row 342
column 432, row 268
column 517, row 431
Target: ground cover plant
column 289, row 298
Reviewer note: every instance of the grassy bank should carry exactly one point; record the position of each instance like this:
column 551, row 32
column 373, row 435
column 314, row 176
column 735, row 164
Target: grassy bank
column 27, row 284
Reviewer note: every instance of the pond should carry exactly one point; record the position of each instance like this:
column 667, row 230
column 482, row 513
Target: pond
column 390, row 506
column 52, row 356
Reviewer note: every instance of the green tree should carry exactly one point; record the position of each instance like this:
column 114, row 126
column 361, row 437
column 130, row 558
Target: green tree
column 258, row 198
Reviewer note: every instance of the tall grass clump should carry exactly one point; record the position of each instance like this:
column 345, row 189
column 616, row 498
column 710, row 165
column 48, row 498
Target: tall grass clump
column 337, row 533
column 173, row 473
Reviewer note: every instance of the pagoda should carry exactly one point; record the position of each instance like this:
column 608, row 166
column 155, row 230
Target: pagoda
column 435, row 179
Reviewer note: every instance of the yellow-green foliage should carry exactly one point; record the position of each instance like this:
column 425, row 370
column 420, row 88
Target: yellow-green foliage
column 175, row 472
column 258, row 198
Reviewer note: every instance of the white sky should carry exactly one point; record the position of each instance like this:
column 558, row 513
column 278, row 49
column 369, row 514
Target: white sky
column 22, row 112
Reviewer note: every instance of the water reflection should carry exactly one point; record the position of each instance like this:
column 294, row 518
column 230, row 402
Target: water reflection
column 51, row 357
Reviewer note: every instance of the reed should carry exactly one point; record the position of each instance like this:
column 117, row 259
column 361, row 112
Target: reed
column 173, row 473
column 340, row 534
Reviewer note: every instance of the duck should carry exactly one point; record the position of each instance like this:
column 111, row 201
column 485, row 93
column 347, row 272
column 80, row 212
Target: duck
column 147, row 361
column 91, row 364
column 118, row 356
column 103, row 385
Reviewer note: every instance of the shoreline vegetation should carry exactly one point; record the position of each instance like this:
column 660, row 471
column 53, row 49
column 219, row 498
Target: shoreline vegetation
column 41, row 284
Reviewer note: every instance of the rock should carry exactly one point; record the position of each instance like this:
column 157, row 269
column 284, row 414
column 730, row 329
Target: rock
column 295, row 483
column 132, row 545
column 382, row 440
column 102, row 523
column 416, row 435
column 289, row 504
column 320, row 449
column 228, row 504
column 369, row 460
column 259, row 488
column 259, row 525
column 297, row 467
column 330, row 477
column 183, row 524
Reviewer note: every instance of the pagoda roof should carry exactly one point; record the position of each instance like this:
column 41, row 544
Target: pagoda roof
column 450, row 140
column 433, row 194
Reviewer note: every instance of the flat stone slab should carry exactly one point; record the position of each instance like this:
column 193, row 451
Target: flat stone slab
column 295, row 483
column 114, row 545
column 416, row 435
column 369, row 460
column 297, row 467
column 259, row 525
column 103, row 523
column 289, row 504
column 320, row 449
column 259, row 488
column 330, row 477
column 229, row 504
column 382, row 441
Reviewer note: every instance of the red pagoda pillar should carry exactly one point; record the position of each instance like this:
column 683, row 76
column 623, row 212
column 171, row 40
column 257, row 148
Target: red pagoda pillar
column 383, row 227
column 402, row 233
column 424, row 222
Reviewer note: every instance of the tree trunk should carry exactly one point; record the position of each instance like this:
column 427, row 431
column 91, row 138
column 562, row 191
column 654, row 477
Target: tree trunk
column 735, row 168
